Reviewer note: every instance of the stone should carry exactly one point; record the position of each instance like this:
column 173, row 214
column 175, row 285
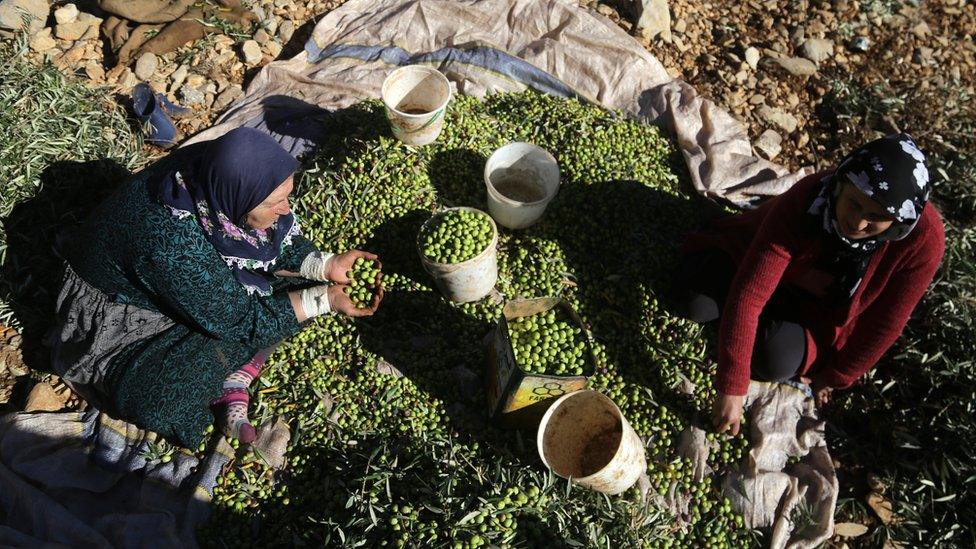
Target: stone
column 850, row 529
column 798, row 36
column 95, row 72
column 262, row 37
column 752, row 57
column 128, row 79
column 227, row 96
column 680, row 44
column 818, row 49
column 76, row 29
column 224, row 58
column 281, row 4
column 67, row 13
column 112, row 76
column 778, row 117
column 923, row 56
column 680, row 26
column 251, row 53
column 921, row 30
column 802, row 140
column 146, row 66
column 224, row 42
column 797, row 66
column 273, row 48
column 70, row 58
column 90, row 34
column 607, row 11
column 43, row 398
column 861, row 44
column 769, row 144
column 190, row 96
column 654, row 18
column 196, row 80
column 12, row 14
column 757, row 99
column 285, row 30
column 12, row 361
column 881, row 507
column 42, row 41
column 271, row 25
column 178, row 76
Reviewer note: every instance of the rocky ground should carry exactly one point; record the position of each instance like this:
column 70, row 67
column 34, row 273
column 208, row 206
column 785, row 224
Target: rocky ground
column 808, row 78
column 777, row 65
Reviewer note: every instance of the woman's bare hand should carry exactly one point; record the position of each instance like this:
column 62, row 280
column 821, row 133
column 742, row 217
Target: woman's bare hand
column 341, row 264
column 341, row 303
column 727, row 413
column 822, row 393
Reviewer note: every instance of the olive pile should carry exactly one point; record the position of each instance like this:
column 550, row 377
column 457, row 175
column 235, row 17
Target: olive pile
column 545, row 344
column 390, row 446
column 456, row 236
column 363, row 282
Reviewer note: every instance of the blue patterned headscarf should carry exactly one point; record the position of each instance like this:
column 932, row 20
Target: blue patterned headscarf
column 218, row 183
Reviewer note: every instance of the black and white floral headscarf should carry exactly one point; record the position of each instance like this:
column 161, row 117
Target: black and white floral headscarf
column 892, row 172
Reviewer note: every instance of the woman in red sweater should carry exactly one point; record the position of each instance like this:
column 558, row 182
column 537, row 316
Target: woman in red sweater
column 818, row 282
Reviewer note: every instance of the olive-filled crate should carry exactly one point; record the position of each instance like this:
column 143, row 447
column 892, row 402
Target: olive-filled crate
column 516, row 396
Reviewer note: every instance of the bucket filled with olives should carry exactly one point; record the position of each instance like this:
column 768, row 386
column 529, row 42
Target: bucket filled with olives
column 458, row 248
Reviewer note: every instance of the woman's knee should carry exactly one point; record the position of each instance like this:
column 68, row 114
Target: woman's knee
column 780, row 351
column 696, row 307
column 699, row 285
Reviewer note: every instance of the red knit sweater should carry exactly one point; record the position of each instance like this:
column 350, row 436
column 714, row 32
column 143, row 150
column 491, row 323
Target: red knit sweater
column 779, row 242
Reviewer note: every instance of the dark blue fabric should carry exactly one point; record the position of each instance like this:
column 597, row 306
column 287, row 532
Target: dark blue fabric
column 220, row 182
column 480, row 56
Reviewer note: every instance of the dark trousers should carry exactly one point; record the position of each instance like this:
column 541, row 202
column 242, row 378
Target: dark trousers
column 700, row 289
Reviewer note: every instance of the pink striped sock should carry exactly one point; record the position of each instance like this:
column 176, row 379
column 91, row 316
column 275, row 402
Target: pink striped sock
column 234, row 400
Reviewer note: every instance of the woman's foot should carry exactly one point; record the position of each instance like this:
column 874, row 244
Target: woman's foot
column 231, row 408
column 231, row 413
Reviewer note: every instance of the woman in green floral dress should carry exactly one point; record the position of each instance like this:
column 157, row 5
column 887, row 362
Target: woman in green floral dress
column 177, row 286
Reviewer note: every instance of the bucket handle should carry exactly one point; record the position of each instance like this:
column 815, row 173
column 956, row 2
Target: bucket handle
column 438, row 114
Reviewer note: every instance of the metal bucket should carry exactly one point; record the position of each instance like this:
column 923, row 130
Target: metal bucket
column 469, row 280
column 584, row 437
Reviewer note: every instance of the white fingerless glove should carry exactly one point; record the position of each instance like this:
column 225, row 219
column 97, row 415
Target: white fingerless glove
column 315, row 266
column 315, row 301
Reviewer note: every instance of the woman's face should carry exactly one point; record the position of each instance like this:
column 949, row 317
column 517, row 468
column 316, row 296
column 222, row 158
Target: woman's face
column 859, row 216
column 267, row 212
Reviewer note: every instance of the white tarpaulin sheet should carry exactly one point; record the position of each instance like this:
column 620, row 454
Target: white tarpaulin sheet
column 484, row 46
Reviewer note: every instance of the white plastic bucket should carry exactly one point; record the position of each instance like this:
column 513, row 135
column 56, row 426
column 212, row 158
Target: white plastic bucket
column 584, row 437
column 469, row 280
column 522, row 179
column 416, row 98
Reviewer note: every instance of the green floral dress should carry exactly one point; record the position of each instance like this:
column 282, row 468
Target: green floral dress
column 151, row 319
